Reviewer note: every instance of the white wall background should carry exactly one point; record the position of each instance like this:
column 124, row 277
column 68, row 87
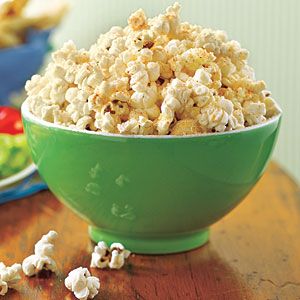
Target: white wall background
column 270, row 29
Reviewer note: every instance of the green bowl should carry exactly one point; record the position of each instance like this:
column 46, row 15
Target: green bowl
column 155, row 194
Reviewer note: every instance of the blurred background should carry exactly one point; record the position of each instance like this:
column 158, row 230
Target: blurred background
column 269, row 29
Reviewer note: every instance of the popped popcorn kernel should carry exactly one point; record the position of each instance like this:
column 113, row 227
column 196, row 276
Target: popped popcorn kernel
column 118, row 255
column 254, row 112
column 141, row 126
column 186, row 126
column 113, row 257
column 137, row 20
column 42, row 259
column 82, row 284
column 100, row 256
column 9, row 277
column 149, row 76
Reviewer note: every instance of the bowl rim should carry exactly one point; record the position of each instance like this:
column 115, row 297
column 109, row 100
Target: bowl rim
column 26, row 114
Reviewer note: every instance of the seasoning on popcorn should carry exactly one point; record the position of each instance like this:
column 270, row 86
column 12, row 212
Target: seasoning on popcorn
column 156, row 76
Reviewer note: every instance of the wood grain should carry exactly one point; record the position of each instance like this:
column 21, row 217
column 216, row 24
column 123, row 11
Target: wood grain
column 253, row 253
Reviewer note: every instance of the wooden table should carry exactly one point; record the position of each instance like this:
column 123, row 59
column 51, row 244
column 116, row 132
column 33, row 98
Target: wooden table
column 253, row 253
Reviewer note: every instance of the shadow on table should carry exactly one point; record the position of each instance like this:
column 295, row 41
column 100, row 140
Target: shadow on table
column 197, row 274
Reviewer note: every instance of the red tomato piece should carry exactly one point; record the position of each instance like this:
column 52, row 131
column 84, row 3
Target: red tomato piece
column 10, row 120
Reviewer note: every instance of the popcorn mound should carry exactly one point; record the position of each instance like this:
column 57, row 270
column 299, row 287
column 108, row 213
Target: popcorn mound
column 156, row 76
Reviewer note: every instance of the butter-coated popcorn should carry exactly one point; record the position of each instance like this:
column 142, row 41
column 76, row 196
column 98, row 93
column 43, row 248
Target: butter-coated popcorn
column 141, row 126
column 254, row 112
column 138, row 20
column 82, row 284
column 148, row 77
column 42, row 259
column 186, row 126
column 202, row 76
column 153, row 69
column 9, row 277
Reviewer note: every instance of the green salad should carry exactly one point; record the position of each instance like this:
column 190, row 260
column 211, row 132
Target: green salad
column 14, row 154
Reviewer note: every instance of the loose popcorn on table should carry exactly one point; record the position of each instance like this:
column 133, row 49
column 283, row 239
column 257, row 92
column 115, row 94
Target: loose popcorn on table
column 118, row 255
column 82, row 284
column 42, row 259
column 113, row 257
column 156, row 76
column 9, row 277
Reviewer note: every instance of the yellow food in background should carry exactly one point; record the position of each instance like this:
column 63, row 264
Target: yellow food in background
column 14, row 22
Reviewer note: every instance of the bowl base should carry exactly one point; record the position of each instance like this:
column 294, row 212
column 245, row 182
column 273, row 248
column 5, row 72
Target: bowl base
column 160, row 245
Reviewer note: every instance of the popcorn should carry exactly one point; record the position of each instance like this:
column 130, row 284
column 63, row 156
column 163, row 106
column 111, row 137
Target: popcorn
column 186, row 126
column 145, row 98
column 148, row 77
column 272, row 107
column 153, row 71
column 107, row 122
column 100, row 256
column 118, row 255
column 82, row 284
column 202, row 76
column 216, row 114
column 3, row 287
column 137, row 20
column 42, row 257
column 193, row 58
column 9, row 277
column 211, row 40
column 141, row 126
column 254, row 112
column 84, row 123
column 113, row 257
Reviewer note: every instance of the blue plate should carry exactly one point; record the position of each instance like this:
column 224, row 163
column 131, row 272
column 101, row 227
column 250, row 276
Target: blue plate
column 19, row 63
column 22, row 184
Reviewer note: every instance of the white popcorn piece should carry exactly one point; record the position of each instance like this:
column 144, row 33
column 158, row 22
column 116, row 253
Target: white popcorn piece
column 117, row 260
column 202, row 76
column 9, row 277
column 107, row 122
column 141, row 126
column 153, row 70
column 216, row 114
column 82, row 284
column 100, row 256
column 118, row 255
column 3, row 288
column 272, row 108
column 113, row 257
column 169, row 70
column 42, row 258
column 254, row 112
column 144, row 99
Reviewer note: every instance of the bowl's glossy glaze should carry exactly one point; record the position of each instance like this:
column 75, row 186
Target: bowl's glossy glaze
column 154, row 194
